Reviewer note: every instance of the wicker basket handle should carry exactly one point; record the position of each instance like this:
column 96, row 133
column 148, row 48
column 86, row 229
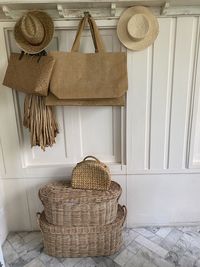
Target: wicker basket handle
column 92, row 158
column 125, row 213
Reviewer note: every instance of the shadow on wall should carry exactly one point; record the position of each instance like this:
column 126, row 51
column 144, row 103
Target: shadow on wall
column 3, row 218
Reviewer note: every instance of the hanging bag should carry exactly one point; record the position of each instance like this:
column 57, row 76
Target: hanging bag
column 84, row 76
column 29, row 74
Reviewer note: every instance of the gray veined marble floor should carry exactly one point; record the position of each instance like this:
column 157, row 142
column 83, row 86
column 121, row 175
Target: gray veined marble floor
column 143, row 247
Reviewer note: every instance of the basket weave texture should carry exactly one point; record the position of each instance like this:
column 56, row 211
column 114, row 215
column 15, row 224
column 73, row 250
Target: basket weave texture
column 64, row 205
column 62, row 241
column 91, row 174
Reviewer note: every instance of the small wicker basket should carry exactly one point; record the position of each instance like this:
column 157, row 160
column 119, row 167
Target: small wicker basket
column 91, row 174
column 61, row 241
column 64, row 205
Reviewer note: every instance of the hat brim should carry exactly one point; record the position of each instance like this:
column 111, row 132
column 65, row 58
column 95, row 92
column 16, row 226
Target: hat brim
column 122, row 32
column 48, row 25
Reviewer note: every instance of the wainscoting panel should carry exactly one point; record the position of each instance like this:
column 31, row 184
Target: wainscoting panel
column 163, row 199
column 160, row 106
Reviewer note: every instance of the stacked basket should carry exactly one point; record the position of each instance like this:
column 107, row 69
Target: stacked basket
column 82, row 222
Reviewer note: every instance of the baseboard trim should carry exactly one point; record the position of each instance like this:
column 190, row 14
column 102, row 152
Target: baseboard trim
column 169, row 224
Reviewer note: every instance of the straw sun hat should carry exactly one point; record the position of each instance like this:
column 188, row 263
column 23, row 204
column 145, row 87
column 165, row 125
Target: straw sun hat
column 137, row 28
column 34, row 31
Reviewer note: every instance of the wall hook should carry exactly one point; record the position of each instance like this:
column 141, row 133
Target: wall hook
column 113, row 9
column 60, row 11
column 86, row 13
column 164, row 8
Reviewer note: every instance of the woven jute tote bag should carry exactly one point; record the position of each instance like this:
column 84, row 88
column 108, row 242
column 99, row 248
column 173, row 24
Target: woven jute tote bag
column 91, row 173
column 64, row 205
column 89, row 75
column 28, row 74
column 83, row 241
column 52, row 100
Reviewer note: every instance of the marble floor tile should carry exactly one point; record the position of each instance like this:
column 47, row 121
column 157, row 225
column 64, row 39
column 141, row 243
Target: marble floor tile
column 144, row 232
column 147, row 258
column 10, row 255
column 54, row 262
column 163, row 231
column 23, row 234
column 18, row 263
column 171, row 239
column 129, row 235
column 187, row 261
column 151, row 246
column 35, row 263
column 192, row 239
column 154, row 258
column 156, row 239
column 123, row 247
column 153, row 229
column 123, row 257
column 143, row 247
column 105, row 262
column 134, row 247
column 16, row 241
column 196, row 263
column 192, row 229
column 31, row 236
column 70, row 262
column 86, row 262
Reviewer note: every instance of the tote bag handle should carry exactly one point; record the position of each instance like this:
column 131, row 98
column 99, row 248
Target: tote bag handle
column 97, row 40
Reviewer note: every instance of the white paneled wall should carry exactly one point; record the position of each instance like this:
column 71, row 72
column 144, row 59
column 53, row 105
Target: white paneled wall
column 159, row 105
column 152, row 146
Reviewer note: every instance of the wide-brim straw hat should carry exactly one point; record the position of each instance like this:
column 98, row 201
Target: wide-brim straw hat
column 34, row 31
column 137, row 28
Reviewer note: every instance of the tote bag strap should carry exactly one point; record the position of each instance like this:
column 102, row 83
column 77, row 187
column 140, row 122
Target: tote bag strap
column 96, row 35
column 97, row 40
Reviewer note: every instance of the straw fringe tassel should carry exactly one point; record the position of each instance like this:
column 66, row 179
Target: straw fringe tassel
column 40, row 120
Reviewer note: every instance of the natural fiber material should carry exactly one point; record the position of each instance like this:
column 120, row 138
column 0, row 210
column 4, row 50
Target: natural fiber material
column 91, row 174
column 75, row 207
column 52, row 100
column 29, row 74
column 60, row 241
column 89, row 75
column 40, row 121
column 34, row 31
column 137, row 28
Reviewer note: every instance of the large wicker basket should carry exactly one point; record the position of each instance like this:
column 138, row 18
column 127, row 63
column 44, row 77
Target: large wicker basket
column 64, row 205
column 62, row 241
column 91, row 174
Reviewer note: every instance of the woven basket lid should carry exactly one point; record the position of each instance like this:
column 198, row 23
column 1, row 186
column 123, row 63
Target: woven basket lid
column 62, row 191
column 46, row 227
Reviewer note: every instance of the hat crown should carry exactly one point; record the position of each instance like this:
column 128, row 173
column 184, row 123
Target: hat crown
column 138, row 27
column 32, row 29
